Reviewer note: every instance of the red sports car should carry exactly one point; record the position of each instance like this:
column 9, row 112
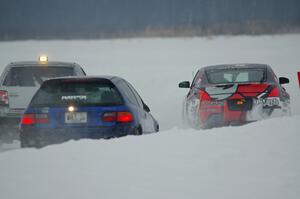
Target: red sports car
column 234, row 94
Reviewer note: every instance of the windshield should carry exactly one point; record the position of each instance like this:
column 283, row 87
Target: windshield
column 221, row 76
column 35, row 76
column 76, row 93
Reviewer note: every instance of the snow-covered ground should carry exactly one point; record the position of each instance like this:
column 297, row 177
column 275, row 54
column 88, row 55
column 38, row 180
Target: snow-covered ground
column 258, row 160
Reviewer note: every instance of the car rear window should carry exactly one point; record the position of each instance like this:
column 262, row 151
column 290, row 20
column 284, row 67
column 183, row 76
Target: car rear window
column 234, row 75
column 56, row 94
column 35, row 76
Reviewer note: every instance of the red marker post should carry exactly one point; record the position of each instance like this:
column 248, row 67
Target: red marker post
column 299, row 78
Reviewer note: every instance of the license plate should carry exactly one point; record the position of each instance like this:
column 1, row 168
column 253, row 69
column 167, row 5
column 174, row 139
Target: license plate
column 240, row 104
column 75, row 117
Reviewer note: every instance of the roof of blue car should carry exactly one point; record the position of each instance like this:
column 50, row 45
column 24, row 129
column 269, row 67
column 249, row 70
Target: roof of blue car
column 108, row 77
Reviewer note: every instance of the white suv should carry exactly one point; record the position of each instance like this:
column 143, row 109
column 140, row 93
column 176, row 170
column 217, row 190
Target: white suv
column 18, row 83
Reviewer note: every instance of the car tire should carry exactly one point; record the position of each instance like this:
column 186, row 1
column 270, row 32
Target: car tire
column 191, row 114
column 8, row 134
column 195, row 122
column 184, row 119
column 157, row 128
column 24, row 144
column 139, row 130
column 30, row 143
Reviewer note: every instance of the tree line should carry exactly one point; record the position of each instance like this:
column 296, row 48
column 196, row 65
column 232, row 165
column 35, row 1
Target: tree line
column 71, row 19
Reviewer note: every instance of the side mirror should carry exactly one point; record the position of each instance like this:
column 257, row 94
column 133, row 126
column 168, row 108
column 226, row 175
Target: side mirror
column 146, row 108
column 184, row 84
column 283, row 80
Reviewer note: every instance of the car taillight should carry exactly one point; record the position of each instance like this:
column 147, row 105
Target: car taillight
column 274, row 92
column 109, row 117
column 204, row 96
column 4, row 97
column 29, row 119
column 117, row 117
column 124, row 117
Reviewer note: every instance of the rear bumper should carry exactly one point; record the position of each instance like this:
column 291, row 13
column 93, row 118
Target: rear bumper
column 50, row 136
column 10, row 121
column 222, row 115
column 7, row 112
column 9, row 128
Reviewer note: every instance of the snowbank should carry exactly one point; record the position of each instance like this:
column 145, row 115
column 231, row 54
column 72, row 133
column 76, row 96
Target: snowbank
column 259, row 160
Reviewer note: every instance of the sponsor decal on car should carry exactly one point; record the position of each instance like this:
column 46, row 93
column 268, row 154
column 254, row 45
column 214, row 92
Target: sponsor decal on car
column 74, row 97
column 267, row 102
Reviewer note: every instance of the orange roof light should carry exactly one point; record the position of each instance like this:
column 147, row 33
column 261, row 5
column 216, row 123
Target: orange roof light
column 43, row 58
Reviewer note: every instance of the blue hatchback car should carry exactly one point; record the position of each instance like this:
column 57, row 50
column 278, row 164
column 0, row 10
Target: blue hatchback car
column 84, row 107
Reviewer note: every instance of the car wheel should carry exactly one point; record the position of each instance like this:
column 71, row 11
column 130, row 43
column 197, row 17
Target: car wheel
column 30, row 143
column 24, row 144
column 157, row 128
column 192, row 115
column 8, row 134
column 184, row 118
column 139, row 130
column 193, row 119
